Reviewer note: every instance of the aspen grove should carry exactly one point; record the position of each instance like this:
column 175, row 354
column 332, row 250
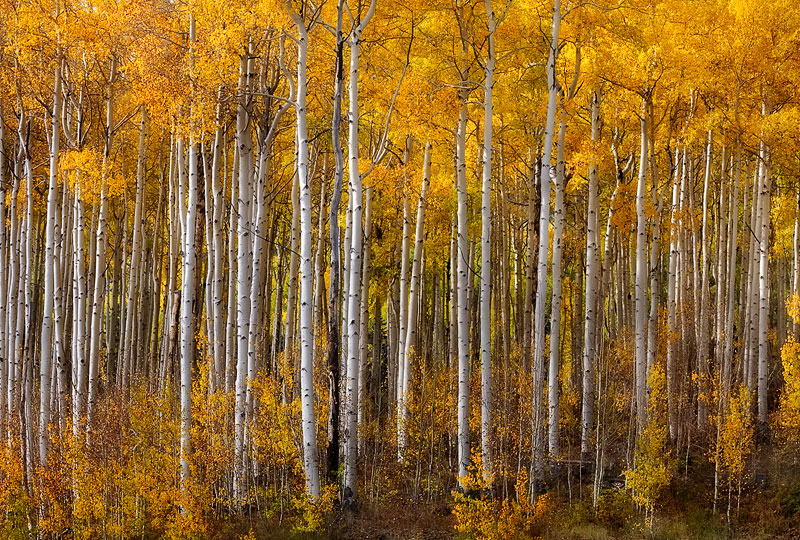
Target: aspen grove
column 265, row 263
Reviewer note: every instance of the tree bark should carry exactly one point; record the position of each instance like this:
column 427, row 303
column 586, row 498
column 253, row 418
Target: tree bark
column 46, row 351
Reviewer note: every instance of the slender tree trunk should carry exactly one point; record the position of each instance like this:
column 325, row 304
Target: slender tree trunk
column 547, row 174
column 416, row 285
column 722, row 262
column 641, row 280
column 46, row 351
column 310, row 458
column 486, row 254
column 763, row 289
column 334, row 329
column 218, row 276
column 673, row 328
column 592, row 285
column 244, row 260
column 5, row 240
column 79, row 315
column 133, row 289
column 354, row 298
column 555, row 316
column 364, row 309
column 754, row 278
column 187, row 312
column 463, row 261
column 703, row 346
column 403, row 312
column 733, row 212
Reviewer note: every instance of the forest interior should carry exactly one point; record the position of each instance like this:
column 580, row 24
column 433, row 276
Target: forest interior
column 475, row 269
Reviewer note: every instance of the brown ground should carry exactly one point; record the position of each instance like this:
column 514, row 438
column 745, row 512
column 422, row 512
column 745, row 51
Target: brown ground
column 398, row 522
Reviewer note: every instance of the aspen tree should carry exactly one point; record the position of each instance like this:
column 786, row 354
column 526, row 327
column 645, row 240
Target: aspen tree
column 657, row 199
column 486, row 251
column 98, row 294
column 219, row 350
column 310, row 459
column 136, row 255
column 334, row 330
column 319, row 254
column 722, row 225
column 189, row 263
column 703, row 346
column 553, row 442
column 555, row 306
column 14, row 316
column 403, row 311
column 672, row 301
column 763, row 288
column 727, row 366
column 364, row 307
column 641, row 279
column 244, row 269
column 5, row 359
column 354, row 290
column 463, row 286
column 546, row 175
column 187, row 314
column 79, row 312
column 753, row 277
column 46, row 351
column 415, row 285
column 592, row 283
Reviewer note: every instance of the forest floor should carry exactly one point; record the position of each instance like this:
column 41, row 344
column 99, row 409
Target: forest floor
column 397, row 522
column 679, row 518
column 766, row 507
column 400, row 521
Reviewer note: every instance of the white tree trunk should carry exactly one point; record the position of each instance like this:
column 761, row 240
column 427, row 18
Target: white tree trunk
column 231, row 343
column 672, row 302
column 416, row 273
column 702, row 344
column 463, row 286
column 555, row 316
column 547, row 175
column 319, row 256
column 5, row 240
column 218, row 290
column 486, row 253
column 354, row 290
column 641, row 280
column 403, row 312
column 751, row 339
column 733, row 214
column 46, row 351
column 133, row 289
column 291, row 290
column 364, row 307
column 187, row 313
column 13, row 352
column 310, row 458
column 79, row 314
column 592, row 284
column 722, row 262
column 245, row 272
column 763, row 285
column 258, row 225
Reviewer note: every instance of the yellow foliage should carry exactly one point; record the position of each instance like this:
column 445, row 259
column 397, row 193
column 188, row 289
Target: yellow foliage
column 793, row 307
column 484, row 517
column 313, row 513
column 653, row 461
column 788, row 415
column 736, row 435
